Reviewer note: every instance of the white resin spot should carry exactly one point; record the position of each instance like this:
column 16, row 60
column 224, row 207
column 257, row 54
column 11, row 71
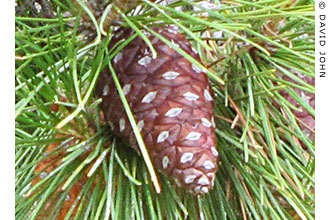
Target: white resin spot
column 173, row 112
column 203, row 181
column 172, row 31
column 217, row 34
column 175, row 44
column 196, row 68
column 165, row 162
column 305, row 97
column 197, row 189
column 212, row 121
column 37, row 6
column 162, row 136
column 207, row 95
column 214, row 151
column 146, row 51
column 190, row 96
column 189, row 179
column 208, row 165
column 67, row 198
column 173, row 26
column 105, row 90
column 121, row 124
column 145, row 61
column 43, row 175
column 206, row 122
column 149, row 97
column 146, row 33
column 127, row 88
column 193, row 136
column 170, row 75
column 186, row 157
column 307, row 132
column 118, row 57
column 194, row 50
column 140, row 125
column 205, row 189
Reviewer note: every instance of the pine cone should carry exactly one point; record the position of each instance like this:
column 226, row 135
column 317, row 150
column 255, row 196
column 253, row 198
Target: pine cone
column 172, row 103
column 306, row 120
column 98, row 7
column 45, row 167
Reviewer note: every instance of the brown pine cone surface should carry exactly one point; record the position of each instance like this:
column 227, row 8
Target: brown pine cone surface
column 305, row 119
column 172, row 104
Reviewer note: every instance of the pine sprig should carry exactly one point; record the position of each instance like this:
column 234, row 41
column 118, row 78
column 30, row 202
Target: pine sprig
column 266, row 167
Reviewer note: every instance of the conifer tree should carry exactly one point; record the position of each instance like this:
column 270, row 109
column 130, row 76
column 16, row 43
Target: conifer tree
column 258, row 57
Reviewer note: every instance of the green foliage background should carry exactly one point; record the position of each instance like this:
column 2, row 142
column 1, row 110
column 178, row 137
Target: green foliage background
column 266, row 161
